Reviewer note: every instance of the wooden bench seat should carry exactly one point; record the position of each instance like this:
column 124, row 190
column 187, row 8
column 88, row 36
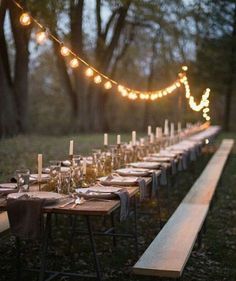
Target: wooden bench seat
column 4, row 224
column 168, row 253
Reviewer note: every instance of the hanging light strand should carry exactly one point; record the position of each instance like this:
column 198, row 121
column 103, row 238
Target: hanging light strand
column 108, row 83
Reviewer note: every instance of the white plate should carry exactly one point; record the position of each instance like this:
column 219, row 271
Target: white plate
column 51, row 196
column 105, row 189
column 124, row 181
column 44, row 177
column 8, row 185
column 145, row 165
column 133, row 172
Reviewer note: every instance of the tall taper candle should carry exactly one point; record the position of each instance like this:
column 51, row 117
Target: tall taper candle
column 118, row 139
column 157, row 132
column 166, row 127
column 84, row 166
column 149, row 130
column 105, row 139
column 134, row 138
column 40, row 167
column 71, row 148
column 179, row 127
column 172, row 130
column 151, row 138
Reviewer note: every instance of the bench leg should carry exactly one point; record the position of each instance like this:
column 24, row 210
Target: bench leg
column 113, row 227
column 199, row 239
column 18, row 260
column 93, row 246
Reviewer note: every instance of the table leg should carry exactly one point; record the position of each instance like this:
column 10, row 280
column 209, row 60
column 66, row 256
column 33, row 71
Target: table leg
column 93, row 245
column 159, row 208
column 135, row 226
column 113, row 226
column 44, row 247
column 18, row 260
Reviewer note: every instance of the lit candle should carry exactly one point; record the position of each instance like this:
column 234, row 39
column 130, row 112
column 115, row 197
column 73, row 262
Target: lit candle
column 149, row 130
column 160, row 132
column 118, row 139
column 166, row 128
column 134, row 138
column 71, row 148
column 151, row 138
column 105, row 139
column 40, row 167
column 157, row 132
column 142, row 141
column 172, row 130
column 179, row 127
column 84, row 166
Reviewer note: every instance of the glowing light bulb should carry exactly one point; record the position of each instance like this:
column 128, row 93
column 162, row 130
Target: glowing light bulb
column 97, row 79
column 74, row 63
column 108, row 85
column 64, row 51
column 41, row 37
column 120, row 88
column 25, row 19
column 89, row 72
column 184, row 68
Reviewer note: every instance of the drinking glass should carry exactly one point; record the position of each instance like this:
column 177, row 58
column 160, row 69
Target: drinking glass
column 55, row 173
column 22, row 177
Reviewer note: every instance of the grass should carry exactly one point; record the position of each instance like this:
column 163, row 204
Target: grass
column 216, row 260
column 21, row 151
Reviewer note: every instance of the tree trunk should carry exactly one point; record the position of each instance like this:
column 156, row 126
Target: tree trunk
column 230, row 83
column 21, row 67
column 8, row 115
column 80, row 83
column 67, row 84
column 103, row 57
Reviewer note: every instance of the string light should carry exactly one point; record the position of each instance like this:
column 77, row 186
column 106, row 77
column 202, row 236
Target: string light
column 89, row 72
column 97, row 79
column 108, row 85
column 74, row 63
column 65, row 51
column 25, row 19
column 40, row 37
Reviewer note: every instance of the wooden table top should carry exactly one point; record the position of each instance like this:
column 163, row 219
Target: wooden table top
column 93, row 207
column 88, row 208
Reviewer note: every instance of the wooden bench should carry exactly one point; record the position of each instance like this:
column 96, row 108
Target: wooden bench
column 168, row 253
column 4, row 224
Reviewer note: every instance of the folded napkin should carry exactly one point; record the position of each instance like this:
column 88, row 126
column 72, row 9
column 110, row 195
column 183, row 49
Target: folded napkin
column 110, row 193
column 142, row 188
column 8, row 186
column 155, row 184
column 25, row 217
column 173, row 167
column 163, row 178
column 124, row 203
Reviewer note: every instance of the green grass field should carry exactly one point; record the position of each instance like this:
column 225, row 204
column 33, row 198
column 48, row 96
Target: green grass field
column 21, row 151
column 216, row 260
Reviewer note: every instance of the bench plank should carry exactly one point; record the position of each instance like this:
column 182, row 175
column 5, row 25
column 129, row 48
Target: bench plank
column 168, row 253
column 204, row 188
column 4, row 224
